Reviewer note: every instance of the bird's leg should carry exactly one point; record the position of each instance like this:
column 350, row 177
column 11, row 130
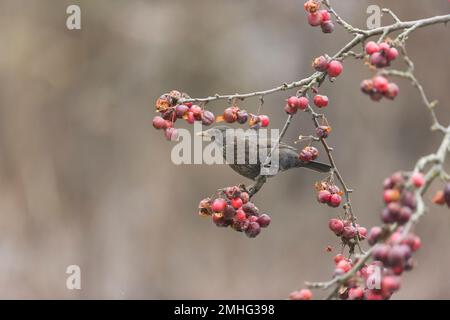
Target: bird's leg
column 259, row 182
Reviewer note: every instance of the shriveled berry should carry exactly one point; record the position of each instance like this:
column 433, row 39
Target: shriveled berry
column 264, row 220
column 253, row 229
column 324, row 196
column 250, row 209
column 207, row 118
column 219, row 205
column 240, row 225
column 323, row 131
column 336, row 225
column 335, row 200
column 320, row 101
column 204, row 207
column 311, row 5
column 314, row 19
column 334, row 68
column 232, row 192
column 371, row 47
column 159, row 122
column 229, row 212
column 327, row 27
column 320, row 64
column 219, row 220
column 367, row 86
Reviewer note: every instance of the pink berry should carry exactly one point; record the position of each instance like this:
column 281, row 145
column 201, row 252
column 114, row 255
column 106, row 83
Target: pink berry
column 355, row 293
column 207, row 118
column 417, row 179
column 292, row 101
column 392, row 91
column 325, row 15
column 384, row 47
column 349, row 232
column 303, row 294
column 314, row 19
column 181, row 110
column 338, row 258
column 190, row 117
column 335, row 200
column 371, row 47
column 264, row 120
column 159, row 122
column 320, row 64
column 240, row 215
column 391, row 195
column 253, row 229
column 391, row 54
column 344, row 265
column 324, row 196
column 264, row 220
column 334, row 68
column 336, row 225
column 171, row 134
column 378, row 60
column 219, row 205
column 380, row 83
column 302, row 103
column 236, row 203
column 290, row 110
column 320, row 101
column 362, row 232
column 374, row 235
column 197, row 111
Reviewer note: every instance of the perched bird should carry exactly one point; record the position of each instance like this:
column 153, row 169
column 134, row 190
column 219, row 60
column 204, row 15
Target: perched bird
column 249, row 164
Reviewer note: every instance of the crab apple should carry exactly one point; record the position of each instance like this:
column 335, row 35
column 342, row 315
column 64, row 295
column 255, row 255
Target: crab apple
column 447, row 194
column 372, row 294
column 302, row 103
column 237, row 203
column 242, row 116
column 190, row 118
column 253, row 219
column 159, row 123
column 384, row 47
column 320, row 64
column 391, row 195
column 374, row 235
column 378, row 60
column 264, row 121
column 390, row 284
column 392, row 91
column 439, row 198
column 219, row 220
column 304, row 294
column 320, row 101
column 336, row 225
column 380, row 252
column 311, row 5
column 232, row 192
column 417, row 179
column 323, row 131
column 338, row 258
column 314, row 19
column 334, row 68
column 229, row 212
column 264, row 220
column 380, row 83
column 355, row 293
column 245, row 197
column 289, row 110
column 253, row 229
column 230, row 115
column 372, row 47
column 240, row 215
column 325, row 15
column 391, row 54
column 219, row 205
column 362, row 232
column 335, row 200
column 240, row 225
column 171, row 134
column 327, row 27
column 366, row 86
column 349, row 232
column 408, row 199
column 324, row 196
column 412, row 241
column 250, row 209
column 207, row 118
column 181, row 110
column 344, row 265
column 197, row 111
column 292, row 101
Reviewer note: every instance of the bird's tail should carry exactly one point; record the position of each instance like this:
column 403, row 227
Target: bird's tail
column 317, row 166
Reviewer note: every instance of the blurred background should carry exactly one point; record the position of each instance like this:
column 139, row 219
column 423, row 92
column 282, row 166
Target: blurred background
column 86, row 180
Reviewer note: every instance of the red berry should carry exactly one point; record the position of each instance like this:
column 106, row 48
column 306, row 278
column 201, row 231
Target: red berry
column 303, row 294
column 171, row 134
column 392, row 91
column 253, row 229
column 417, row 179
column 242, row 116
column 338, row 258
column 236, row 203
column 334, row 68
column 264, row 121
column 181, row 110
column 197, row 111
column 321, row 101
column 320, row 64
column 219, row 205
column 380, row 252
column 230, row 115
column 229, row 212
column 378, row 60
column 355, row 293
column 349, row 232
column 325, row 15
column 367, row 86
column 374, row 235
column 245, row 197
column 305, row 155
column 290, row 110
column 207, row 118
column 371, row 47
column 335, row 200
column 302, row 103
column 336, row 225
column 324, row 196
column 391, row 195
column 362, row 232
column 159, row 122
column 240, row 215
column 380, row 83
column 384, row 47
column 439, row 198
column 344, row 265
column 253, row 219
column 391, row 54
column 292, row 101
column 390, row 284
column 314, row 19
column 264, row 220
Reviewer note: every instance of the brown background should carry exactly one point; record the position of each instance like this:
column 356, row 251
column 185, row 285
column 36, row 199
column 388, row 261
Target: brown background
column 85, row 179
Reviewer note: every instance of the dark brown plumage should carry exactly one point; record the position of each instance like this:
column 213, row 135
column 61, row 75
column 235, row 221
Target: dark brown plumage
column 288, row 156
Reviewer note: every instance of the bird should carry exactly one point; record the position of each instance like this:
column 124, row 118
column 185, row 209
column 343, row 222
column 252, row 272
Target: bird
column 250, row 168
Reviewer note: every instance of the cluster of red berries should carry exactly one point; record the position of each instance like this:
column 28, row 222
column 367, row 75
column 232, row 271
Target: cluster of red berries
column 347, row 230
column 318, row 17
column 308, row 154
column 234, row 209
column 443, row 196
column 333, row 68
column 328, row 193
column 293, row 103
column 379, row 87
column 381, row 54
column 170, row 110
column 400, row 202
column 235, row 114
